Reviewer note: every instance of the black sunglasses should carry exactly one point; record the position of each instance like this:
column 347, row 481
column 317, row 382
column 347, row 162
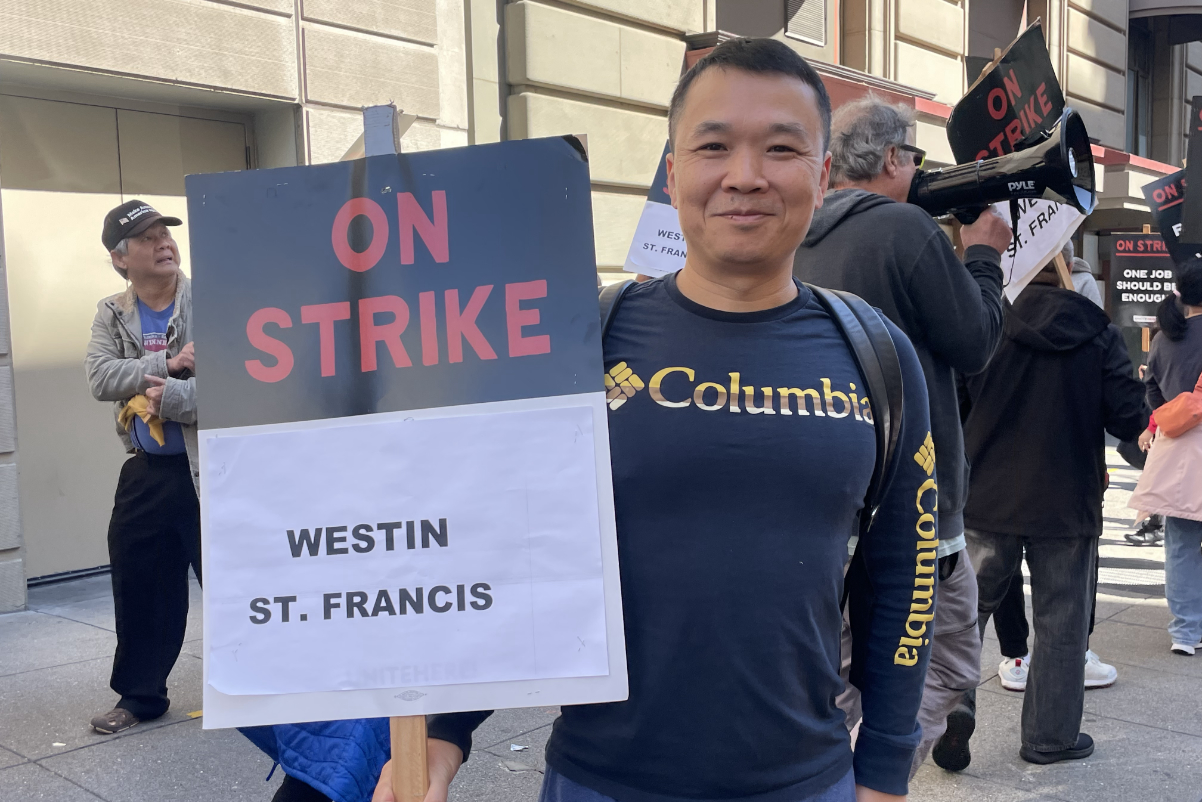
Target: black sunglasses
column 920, row 155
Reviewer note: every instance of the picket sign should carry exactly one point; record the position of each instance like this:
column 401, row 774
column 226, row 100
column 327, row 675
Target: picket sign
column 383, row 127
column 1043, row 228
column 460, row 476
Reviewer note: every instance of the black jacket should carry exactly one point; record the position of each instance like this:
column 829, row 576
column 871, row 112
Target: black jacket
column 1037, row 416
column 896, row 257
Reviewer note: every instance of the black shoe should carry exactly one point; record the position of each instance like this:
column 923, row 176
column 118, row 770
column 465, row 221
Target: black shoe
column 951, row 750
column 1084, row 748
column 1150, row 533
column 116, row 720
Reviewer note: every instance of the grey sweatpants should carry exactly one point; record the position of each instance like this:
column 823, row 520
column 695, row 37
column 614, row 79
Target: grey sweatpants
column 955, row 658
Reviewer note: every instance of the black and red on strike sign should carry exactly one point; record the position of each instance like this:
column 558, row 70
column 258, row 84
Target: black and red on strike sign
column 1017, row 99
column 393, row 283
column 1166, row 200
column 1141, row 275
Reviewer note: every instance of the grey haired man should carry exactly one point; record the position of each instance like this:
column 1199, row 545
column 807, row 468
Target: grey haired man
column 867, row 240
column 141, row 360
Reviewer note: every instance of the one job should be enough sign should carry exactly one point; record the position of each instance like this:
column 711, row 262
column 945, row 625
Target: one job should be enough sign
column 405, row 488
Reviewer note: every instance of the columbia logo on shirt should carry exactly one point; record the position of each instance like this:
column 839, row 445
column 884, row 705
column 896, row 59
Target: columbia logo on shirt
column 680, row 388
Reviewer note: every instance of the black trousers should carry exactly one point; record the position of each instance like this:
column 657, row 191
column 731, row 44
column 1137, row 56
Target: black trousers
column 154, row 536
column 293, row 790
column 1010, row 618
column 1062, row 589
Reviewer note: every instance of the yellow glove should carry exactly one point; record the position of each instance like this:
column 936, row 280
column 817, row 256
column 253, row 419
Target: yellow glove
column 138, row 406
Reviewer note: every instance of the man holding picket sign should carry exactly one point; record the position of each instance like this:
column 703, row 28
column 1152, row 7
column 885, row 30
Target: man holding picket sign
column 742, row 446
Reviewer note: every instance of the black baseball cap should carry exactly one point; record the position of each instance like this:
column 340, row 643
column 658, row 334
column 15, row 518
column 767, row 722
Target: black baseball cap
column 130, row 218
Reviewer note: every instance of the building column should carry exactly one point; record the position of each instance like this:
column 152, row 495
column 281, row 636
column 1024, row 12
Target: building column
column 12, row 547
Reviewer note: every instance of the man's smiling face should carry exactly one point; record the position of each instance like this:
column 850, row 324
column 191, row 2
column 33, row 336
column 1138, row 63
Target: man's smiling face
column 748, row 168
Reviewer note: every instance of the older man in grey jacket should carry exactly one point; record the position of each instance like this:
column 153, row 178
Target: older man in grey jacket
column 141, row 359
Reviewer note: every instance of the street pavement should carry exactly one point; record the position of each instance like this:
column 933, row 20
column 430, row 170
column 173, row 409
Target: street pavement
column 55, row 660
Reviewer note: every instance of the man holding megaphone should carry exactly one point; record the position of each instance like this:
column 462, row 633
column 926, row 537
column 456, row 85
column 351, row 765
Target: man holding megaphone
column 868, row 240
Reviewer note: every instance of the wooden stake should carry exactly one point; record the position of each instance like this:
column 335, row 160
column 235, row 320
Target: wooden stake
column 1146, row 339
column 410, row 774
column 1066, row 277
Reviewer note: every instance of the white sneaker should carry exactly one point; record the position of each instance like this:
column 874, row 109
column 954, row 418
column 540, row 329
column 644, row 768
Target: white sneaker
column 1013, row 673
column 1184, row 648
column 1097, row 673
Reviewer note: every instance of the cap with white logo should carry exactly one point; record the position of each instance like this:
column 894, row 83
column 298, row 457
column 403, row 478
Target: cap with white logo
column 130, row 218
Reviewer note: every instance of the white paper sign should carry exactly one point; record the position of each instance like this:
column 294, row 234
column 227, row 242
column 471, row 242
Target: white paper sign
column 418, row 558
column 1043, row 228
column 658, row 246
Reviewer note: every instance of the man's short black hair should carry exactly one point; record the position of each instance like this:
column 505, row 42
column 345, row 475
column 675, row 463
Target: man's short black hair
column 754, row 55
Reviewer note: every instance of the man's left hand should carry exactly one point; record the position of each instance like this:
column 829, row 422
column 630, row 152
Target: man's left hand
column 154, row 394
column 868, row 795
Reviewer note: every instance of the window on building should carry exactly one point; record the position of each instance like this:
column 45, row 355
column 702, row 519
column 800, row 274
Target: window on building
column 1140, row 63
column 806, row 20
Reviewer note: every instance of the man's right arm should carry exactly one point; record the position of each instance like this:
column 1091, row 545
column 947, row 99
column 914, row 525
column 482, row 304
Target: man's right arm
column 960, row 304
column 111, row 375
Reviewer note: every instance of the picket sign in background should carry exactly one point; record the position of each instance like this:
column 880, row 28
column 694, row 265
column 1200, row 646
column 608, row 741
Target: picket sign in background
column 658, row 246
column 1043, row 228
column 403, row 338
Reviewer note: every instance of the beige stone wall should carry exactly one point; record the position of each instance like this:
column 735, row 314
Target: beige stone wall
column 408, row 52
column 198, row 43
column 605, row 69
column 920, row 43
column 1095, row 58
column 12, row 558
column 336, row 57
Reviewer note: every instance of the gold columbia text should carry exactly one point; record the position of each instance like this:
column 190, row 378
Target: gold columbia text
column 677, row 387
column 922, row 604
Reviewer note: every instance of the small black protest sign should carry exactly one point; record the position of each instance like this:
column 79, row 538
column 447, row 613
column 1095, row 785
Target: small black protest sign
column 1166, row 199
column 1015, row 100
column 1141, row 275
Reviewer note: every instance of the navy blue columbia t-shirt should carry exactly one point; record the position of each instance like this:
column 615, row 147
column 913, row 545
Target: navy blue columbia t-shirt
column 740, row 465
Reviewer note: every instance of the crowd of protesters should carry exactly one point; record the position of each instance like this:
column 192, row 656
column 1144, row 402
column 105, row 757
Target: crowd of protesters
column 805, row 699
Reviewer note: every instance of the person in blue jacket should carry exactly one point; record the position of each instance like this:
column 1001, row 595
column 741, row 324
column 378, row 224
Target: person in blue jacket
column 325, row 761
column 739, row 476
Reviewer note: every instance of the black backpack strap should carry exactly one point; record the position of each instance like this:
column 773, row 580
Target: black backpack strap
column 610, row 298
column 876, row 356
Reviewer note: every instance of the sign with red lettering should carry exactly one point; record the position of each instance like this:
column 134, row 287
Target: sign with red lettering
column 1141, row 275
column 1019, row 98
column 1166, row 199
column 406, row 500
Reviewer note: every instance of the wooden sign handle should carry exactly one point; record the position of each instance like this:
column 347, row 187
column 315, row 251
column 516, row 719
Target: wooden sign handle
column 1062, row 270
column 410, row 775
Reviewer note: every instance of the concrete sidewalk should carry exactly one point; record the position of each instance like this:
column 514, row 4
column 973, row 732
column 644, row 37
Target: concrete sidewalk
column 55, row 661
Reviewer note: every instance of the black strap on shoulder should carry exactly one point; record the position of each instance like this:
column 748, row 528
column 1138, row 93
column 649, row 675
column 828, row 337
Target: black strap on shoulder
column 876, row 357
column 610, row 298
